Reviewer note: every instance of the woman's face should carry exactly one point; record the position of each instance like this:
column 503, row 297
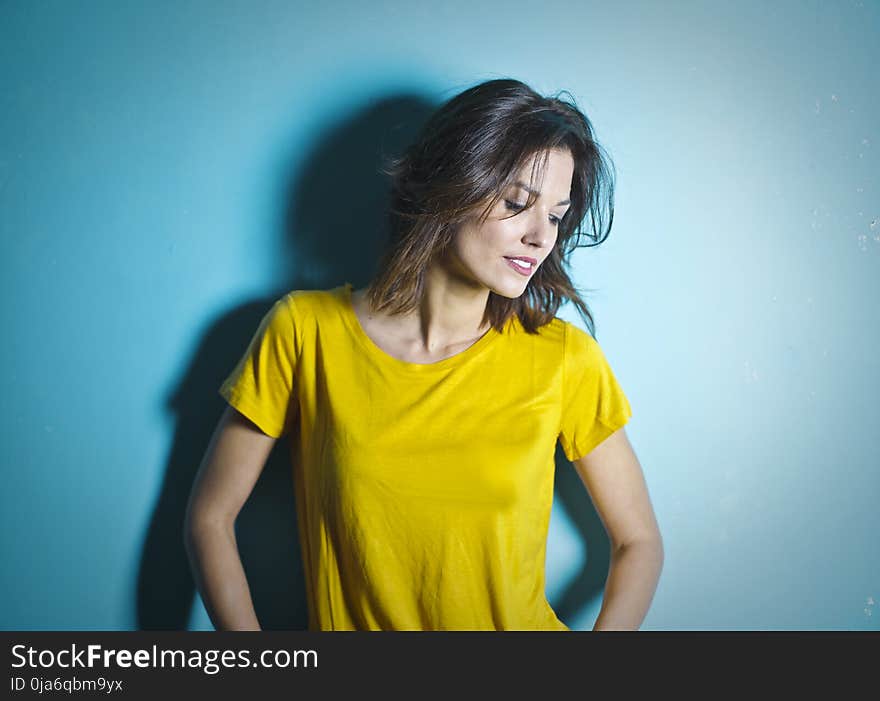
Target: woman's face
column 483, row 253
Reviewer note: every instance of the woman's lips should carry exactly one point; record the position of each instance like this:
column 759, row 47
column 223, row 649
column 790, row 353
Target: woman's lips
column 522, row 267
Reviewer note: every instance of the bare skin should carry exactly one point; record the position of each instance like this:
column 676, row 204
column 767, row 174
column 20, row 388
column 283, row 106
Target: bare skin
column 232, row 463
column 448, row 319
column 386, row 333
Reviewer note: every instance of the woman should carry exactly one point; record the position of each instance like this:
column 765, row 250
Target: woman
column 424, row 410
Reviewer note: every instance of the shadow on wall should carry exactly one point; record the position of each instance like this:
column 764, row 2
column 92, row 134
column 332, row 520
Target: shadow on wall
column 334, row 221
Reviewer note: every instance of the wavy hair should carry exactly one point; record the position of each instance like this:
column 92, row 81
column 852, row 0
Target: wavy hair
column 465, row 156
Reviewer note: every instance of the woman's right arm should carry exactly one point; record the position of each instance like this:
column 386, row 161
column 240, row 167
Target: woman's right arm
column 230, row 468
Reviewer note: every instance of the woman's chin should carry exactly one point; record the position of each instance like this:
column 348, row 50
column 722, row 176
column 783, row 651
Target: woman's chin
column 508, row 290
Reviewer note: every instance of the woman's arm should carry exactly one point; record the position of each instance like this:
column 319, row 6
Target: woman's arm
column 613, row 477
column 230, row 468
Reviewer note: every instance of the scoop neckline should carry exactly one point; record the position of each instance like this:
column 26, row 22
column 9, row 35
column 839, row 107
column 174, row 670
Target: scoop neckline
column 385, row 358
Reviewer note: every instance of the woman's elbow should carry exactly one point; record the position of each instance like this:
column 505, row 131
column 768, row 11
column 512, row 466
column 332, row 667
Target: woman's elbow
column 202, row 522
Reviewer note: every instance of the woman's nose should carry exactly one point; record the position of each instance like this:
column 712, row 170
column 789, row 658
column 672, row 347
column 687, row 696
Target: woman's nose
column 541, row 232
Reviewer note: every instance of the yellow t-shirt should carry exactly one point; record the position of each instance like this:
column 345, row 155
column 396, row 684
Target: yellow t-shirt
column 423, row 491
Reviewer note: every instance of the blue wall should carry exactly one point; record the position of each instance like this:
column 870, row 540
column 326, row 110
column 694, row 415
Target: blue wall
column 169, row 169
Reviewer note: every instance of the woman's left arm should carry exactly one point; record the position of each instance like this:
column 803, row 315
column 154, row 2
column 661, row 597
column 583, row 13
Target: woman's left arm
column 613, row 477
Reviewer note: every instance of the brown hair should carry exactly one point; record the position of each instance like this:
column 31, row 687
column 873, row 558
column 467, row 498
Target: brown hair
column 466, row 155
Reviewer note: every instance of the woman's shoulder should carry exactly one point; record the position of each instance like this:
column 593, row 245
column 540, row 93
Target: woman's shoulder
column 553, row 332
column 314, row 302
column 560, row 336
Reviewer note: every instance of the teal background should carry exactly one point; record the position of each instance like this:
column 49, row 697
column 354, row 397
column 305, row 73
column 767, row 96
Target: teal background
column 168, row 169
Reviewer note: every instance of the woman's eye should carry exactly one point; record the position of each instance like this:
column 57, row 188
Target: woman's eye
column 516, row 206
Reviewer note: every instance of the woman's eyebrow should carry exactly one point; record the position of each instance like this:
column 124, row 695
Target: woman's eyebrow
column 525, row 187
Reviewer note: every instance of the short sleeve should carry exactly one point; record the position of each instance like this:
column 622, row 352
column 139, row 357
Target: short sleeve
column 261, row 384
column 593, row 403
